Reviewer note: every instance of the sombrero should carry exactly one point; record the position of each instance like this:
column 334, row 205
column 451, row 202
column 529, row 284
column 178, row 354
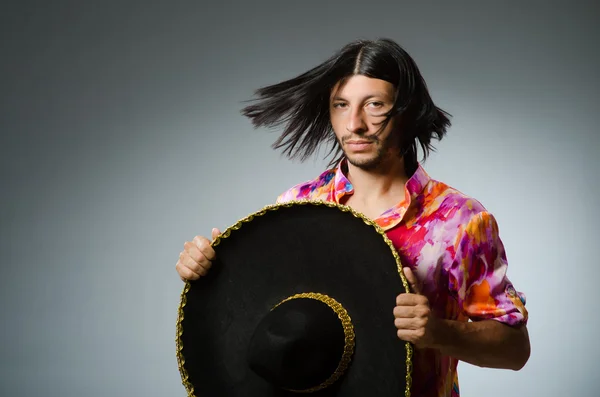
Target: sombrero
column 298, row 302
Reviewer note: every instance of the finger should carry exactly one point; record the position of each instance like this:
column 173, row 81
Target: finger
column 193, row 251
column 205, row 248
column 417, row 311
column 197, row 267
column 409, row 335
column 195, row 258
column 409, row 323
column 186, row 273
column 410, row 300
column 215, row 233
column 404, row 312
column 412, row 280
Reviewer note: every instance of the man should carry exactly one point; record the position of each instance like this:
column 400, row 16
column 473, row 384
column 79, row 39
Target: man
column 370, row 102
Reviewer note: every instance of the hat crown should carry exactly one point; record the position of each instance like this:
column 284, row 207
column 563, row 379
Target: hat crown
column 298, row 345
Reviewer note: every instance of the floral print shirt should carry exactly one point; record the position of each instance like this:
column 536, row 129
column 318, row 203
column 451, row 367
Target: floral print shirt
column 452, row 244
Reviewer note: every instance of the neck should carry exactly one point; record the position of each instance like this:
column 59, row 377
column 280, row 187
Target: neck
column 385, row 180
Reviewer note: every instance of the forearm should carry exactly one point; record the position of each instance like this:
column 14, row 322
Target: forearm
column 486, row 343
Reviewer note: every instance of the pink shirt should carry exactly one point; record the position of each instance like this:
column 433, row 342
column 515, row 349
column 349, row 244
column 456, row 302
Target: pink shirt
column 452, row 244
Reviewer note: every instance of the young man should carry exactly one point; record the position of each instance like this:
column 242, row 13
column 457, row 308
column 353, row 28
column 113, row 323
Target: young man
column 369, row 101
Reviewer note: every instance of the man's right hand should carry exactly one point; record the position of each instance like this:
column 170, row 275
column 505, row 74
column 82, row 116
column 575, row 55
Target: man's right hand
column 196, row 258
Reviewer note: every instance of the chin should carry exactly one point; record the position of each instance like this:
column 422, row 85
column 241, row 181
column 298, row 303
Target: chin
column 364, row 162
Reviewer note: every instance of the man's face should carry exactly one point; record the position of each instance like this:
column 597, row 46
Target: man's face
column 357, row 109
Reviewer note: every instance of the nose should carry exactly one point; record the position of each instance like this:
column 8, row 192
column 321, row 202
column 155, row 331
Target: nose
column 356, row 123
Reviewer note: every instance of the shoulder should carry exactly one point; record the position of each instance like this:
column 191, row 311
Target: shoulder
column 317, row 188
column 461, row 212
column 441, row 197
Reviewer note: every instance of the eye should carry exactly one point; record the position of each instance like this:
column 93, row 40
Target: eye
column 376, row 108
column 339, row 105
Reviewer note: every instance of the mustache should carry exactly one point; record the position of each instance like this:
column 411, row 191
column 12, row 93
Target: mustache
column 371, row 138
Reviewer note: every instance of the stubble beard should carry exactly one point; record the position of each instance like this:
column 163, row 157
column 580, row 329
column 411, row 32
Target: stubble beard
column 375, row 160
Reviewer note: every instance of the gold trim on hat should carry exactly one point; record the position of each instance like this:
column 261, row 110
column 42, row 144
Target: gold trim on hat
column 272, row 207
column 348, row 336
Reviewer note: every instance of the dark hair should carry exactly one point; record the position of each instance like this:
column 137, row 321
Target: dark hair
column 302, row 103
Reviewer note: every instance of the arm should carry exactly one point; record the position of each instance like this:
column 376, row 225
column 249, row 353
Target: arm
column 487, row 343
column 497, row 337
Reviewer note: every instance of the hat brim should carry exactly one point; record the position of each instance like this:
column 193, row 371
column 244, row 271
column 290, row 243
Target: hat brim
column 280, row 251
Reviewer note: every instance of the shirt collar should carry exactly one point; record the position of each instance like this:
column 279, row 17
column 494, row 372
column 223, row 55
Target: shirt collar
column 412, row 189
column 417, row 182
column 341, row 185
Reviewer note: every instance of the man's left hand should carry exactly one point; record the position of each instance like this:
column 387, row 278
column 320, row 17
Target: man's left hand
column 413, row 316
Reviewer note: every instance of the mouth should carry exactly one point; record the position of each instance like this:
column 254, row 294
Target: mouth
column 357, row 141
column 358, row 145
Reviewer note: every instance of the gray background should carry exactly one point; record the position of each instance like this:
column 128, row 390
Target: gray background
column 121, row 138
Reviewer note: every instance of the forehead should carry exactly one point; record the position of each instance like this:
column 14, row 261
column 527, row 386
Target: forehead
column 360, row 86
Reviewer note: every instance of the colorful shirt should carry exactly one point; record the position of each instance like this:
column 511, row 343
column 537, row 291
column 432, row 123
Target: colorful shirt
column 452, row 244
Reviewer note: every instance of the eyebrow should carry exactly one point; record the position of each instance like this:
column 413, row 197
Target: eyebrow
column 373, row 95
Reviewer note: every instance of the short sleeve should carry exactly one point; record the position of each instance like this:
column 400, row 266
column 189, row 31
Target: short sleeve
column 283, row 198
column 291, row 194
column 478, row 275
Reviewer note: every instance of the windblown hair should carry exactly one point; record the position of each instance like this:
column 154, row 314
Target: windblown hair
column 302, row 103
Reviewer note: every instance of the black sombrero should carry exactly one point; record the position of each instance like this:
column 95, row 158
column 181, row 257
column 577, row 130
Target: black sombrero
column 299, row 301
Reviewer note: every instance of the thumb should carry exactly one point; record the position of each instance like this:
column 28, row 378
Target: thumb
column 215, row 233
column 412, row 280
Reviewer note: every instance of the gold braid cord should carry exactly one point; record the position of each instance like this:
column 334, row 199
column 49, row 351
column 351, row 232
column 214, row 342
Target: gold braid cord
column 273, row 207
column 348, row 336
